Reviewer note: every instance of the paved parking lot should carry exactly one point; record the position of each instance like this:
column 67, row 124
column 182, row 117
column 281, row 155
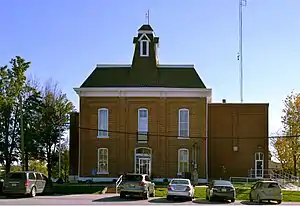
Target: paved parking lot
column 110, row 199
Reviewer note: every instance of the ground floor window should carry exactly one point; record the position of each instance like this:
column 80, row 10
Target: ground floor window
column 183, row 160
column 102, row 161
column 143, row 160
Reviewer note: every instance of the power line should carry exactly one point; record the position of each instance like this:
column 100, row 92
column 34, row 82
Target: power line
column 193, row 137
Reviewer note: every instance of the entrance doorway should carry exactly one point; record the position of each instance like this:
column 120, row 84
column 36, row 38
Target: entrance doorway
column 144, row 165
column 259, row 165
column 143, row 160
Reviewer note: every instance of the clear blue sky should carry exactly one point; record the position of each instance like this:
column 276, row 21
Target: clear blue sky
column 64, row 40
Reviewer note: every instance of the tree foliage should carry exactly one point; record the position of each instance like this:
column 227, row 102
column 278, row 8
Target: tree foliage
column 54, row 118
column 45, row 111
column 12, row 81
column 288, row 147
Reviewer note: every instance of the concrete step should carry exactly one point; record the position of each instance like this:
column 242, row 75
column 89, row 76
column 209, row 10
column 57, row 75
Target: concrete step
column 110, row 189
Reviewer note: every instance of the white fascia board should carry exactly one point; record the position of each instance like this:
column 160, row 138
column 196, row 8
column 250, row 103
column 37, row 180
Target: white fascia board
column 143, row 92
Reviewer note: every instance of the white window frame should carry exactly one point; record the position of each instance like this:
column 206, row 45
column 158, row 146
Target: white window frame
column 139, row 120
column 180, row 124
column 187, row 161
column 101, row 161
column 103, row 134
column 142, row 48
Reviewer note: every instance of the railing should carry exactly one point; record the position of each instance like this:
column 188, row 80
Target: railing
column 283, row 178
column 142, row 137
column 118, row 182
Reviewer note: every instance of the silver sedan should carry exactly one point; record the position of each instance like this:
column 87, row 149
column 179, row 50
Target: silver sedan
column 180, row 188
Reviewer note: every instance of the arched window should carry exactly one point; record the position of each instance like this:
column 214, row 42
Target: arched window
column 143, row 160
column 183, row 160
column 102, row 161
column 183, row 123
column 143, row 121
column 102, row 123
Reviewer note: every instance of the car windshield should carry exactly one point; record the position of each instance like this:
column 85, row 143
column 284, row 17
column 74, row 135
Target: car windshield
column 270, row 185
column 180, row 182
column 16, row 175
column 222, row 183
column 132, row 178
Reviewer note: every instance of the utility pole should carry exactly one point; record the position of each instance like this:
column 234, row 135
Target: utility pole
column 22, row 134
column 59, row 146
column 242, row 3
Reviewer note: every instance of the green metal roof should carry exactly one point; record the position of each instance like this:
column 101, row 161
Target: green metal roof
column 171, row 77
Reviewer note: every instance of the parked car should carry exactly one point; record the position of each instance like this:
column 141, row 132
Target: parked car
column 24, row 183
column 266, row 190
column 180, row 188
column 137, row 184
column 220, row 189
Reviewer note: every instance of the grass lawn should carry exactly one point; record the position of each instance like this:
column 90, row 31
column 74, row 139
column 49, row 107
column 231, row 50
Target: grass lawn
column 242, row 194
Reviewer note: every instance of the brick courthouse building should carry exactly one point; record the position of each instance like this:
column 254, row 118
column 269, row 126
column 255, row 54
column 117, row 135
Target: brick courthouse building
column 153, row 118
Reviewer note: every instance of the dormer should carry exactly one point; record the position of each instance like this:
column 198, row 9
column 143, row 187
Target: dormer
column 145, row 45
column 144, row 61
column 144, row 42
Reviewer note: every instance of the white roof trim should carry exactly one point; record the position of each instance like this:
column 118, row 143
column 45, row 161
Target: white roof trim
column 142, row 92
column 159, row 65
column 176, row 65
column 112, row 65
column 145, row 32
column 140, row 39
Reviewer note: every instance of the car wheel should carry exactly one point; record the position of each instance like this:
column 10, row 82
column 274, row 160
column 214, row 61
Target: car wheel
column 169, row 197
column 153, row 193
column 122, row 195
column 258, row 199
column 146, row 195
column 33, row 192
column 278, row 202
column 250, row 198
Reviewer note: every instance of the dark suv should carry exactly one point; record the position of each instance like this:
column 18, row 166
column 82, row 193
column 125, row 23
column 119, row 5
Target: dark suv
column 24, row 183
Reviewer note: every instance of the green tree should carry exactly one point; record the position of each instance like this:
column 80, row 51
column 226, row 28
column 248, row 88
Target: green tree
column 291, row 127
column 32, row 110
column 12, row 81
column 53, row 123
column 65, row 165
column 38, row 166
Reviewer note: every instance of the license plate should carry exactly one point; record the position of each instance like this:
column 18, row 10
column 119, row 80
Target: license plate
column 13, row 185
column 223, row 190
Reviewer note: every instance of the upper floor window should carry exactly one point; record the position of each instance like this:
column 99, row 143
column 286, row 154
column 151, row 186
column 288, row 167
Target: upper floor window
column 102, row 161
column 103, row 123
column 144, row 48
column 183, row 160
column 183, row 123
column 143, row 120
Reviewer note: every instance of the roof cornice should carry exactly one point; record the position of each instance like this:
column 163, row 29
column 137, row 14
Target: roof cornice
column 158, row 66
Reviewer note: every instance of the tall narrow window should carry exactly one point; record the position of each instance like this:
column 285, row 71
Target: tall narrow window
column 183, row 160
column 102, row 161
column 143, row 121
column 183, row 123
column 103, row 123
column 144, row 48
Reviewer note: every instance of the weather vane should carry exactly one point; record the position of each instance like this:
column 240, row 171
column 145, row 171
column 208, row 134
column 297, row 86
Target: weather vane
column 147, row 17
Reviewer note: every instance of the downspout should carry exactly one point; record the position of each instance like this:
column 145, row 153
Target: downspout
column 79, row 132
column 206, row 139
